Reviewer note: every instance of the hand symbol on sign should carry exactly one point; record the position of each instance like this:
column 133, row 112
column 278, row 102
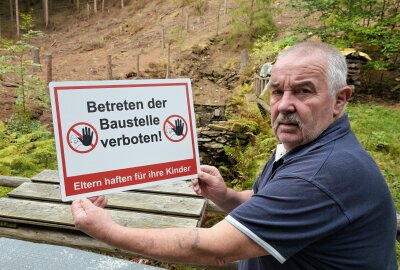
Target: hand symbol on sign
column 178, row 129
column 87, row 136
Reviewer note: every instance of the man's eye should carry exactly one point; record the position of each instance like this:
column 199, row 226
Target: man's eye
column 276, row 92
column 305, row 91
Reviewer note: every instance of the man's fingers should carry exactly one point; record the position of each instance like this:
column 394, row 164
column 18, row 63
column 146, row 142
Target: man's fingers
column 205, row 178
column 77, row 211
column 100, row 201
column 196, row 186
column 86, row 204
column 209, row 169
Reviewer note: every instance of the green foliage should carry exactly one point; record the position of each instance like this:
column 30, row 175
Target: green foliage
column 370, row 25
column 252, row 18
column 27, row 21
column 21, row 123
column 245, row 118
column 265, row 48
column 16, row 65
column 26, row 153
column 4, row 191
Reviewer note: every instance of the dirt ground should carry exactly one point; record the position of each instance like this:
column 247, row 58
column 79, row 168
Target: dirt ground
column 79, row 45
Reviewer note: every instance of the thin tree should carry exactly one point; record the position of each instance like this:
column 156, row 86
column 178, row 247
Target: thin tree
column 11, row 12
column 17, row 17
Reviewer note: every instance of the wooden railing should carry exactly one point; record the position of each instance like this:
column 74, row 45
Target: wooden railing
column 259, row 84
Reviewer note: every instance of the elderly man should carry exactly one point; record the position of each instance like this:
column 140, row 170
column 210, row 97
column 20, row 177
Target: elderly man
column 320, row 202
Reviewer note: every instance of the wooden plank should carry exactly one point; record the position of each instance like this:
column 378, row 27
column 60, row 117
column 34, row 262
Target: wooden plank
column 12, row 181
column 177, row 187
column 137, row 201
column 47, row 176
column 55, row 214
column 18, row 222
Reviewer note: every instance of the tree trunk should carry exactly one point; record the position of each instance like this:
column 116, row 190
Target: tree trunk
column 49, row 66
column 168, row 61
column 36, row 58
column 109, row 68
column 251, row 14
column 11, row 12
column 162, row 39
column 219, row 7
column 383, row 9
column 46, row 12
column 225, row 7
column 138, row 66
column 17, row 17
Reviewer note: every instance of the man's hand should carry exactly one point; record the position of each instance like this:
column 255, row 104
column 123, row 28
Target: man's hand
column 210, row 184
column 99, row 201
column 92, row 220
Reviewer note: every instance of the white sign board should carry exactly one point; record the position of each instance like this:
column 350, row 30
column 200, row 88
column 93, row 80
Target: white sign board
column 119, row 135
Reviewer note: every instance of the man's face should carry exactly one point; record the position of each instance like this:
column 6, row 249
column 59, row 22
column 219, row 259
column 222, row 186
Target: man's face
column 301, row 104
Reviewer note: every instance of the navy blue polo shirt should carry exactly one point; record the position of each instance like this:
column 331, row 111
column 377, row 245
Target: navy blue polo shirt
column 323, row 206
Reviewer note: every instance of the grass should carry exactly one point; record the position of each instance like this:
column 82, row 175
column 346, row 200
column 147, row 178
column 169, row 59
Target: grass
column 378, row 129
column 4, row 191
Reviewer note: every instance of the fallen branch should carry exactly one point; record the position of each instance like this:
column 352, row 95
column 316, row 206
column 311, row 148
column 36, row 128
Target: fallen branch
column 10, row 84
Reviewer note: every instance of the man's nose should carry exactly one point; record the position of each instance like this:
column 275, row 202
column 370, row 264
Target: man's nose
column 286, row 103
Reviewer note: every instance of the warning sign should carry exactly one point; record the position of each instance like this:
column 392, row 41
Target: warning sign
column 119, row 135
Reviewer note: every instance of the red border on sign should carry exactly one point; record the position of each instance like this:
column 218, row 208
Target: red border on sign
column 68, row 179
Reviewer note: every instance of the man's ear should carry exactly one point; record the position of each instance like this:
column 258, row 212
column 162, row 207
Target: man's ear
column 342, row 97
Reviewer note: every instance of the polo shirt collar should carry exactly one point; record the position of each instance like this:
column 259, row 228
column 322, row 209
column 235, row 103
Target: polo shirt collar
column 279, row 152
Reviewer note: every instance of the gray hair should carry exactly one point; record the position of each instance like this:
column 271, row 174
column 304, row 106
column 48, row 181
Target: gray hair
column 336, row 63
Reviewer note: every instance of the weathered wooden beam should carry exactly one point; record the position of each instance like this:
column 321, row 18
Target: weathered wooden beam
column 212, row 207
column 59, row 215
column 12, row 181
column 135, row 201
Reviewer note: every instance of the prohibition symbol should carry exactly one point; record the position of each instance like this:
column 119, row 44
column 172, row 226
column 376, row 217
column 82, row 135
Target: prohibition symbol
column 175, row 128
column 82, row 137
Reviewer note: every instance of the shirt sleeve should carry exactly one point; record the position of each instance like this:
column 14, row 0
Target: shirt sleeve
column 287, row 215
